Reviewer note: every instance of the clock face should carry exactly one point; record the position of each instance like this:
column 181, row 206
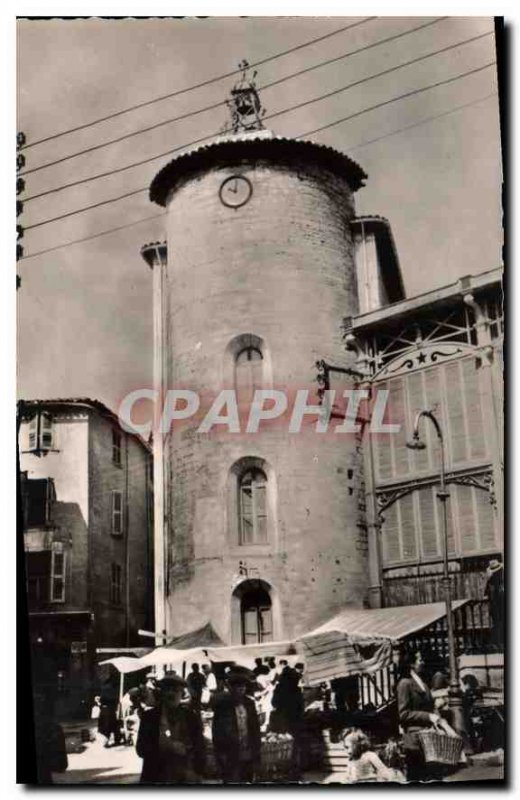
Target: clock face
column 235, row 191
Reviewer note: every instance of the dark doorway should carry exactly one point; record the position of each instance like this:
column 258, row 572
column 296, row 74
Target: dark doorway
column 256, row 616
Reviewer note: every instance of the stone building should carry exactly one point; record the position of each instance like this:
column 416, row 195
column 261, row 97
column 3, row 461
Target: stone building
column 87, row 505
column 264, row 534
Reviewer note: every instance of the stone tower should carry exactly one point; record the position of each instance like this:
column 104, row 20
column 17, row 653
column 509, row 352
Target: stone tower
column 263, row 537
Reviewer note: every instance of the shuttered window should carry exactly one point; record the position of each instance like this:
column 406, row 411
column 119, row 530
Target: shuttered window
column 453, row 389
column 41, row 432
column 253, row 508
column 57, row 576
column 117, row 513
column 413, row 526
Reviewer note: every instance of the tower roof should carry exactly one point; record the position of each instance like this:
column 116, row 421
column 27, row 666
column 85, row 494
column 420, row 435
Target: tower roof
column 257, row 145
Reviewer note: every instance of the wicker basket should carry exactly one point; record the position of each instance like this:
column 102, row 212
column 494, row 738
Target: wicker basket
column 440, row 747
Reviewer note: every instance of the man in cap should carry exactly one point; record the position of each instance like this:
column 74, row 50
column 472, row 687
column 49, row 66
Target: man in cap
column 236, row 732
column 170, row 739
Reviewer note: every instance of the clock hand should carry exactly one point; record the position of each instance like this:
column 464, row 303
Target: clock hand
column 235, row 190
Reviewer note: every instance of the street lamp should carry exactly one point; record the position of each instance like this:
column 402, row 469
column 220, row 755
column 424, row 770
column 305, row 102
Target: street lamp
column 454, row 692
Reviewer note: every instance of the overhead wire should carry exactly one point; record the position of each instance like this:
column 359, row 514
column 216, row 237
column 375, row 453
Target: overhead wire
column 199, row 85
column 354, row 147
column 221, row 103
column 283, row 111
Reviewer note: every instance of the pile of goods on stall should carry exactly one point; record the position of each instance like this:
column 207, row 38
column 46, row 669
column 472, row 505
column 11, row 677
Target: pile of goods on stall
column 276, row 755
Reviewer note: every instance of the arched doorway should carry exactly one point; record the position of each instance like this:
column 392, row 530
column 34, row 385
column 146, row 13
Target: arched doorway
column 252, row 613
column 256, row 616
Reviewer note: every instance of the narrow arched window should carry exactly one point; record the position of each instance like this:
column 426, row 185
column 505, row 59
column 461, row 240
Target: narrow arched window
column 252, row 507
column 248, row 373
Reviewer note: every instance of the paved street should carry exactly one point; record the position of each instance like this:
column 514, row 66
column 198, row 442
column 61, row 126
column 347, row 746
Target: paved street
column 121, row 765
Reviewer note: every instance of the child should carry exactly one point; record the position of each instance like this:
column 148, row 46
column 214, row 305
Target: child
column 363, row 763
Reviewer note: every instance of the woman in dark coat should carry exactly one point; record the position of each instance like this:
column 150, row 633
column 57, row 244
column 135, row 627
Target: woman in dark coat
column 416, row 713
column 170, row 739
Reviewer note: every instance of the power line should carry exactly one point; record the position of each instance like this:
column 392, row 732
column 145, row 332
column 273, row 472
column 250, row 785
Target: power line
column 214, row 106
column 204, row 138
column 307, row 133
column 401, row 97
column 422, row 122
column 92, row 236
column 355, row 147
column 200, row 85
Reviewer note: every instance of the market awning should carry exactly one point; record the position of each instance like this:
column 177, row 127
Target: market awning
column 201, row 637
column 246, row 653
column 124, row 663
column 394, row 623
column 359, row 640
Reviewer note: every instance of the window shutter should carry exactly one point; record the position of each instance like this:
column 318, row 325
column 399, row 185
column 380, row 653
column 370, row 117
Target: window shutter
column 434, row 399
column 457, row 433
column 486, row 520
column 117, row 512
column 246, row 510
column 390, row 530
column 57, row 576
column 420, row 458
column 45, row 432
column 473, row 407
column 383, row 445
column 408, row 527
column 260, row 512
column 250, row 623
column 466, row 518
column 427, row 522
column 266, row 625
column 33, row 433
column 452, row 547
column 398, row 415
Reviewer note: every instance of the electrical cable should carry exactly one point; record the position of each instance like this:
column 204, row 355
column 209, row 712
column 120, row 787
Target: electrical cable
column 200, row 85
column 118, row 170
column 222, row 103
column 354, row 147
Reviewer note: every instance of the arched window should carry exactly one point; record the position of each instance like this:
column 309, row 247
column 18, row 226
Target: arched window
column 252, row 508
column 256, row 616
column 248, row 373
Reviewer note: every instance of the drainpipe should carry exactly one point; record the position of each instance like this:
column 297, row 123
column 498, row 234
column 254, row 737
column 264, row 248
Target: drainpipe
column 155, row 255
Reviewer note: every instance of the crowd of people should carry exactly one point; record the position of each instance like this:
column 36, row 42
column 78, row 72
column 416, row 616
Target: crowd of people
column 164, row 718
column 171, row 721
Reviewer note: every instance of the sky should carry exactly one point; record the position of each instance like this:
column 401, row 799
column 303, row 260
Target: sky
column 433, row 161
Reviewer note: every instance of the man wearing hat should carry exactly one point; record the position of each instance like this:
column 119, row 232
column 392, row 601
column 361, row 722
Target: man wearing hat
column 236, row 732
column 494, row 591
column 170, row 739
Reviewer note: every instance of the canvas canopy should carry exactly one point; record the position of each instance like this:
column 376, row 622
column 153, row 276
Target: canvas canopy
column 125, row 664
column 359, row 640
column 205, row 635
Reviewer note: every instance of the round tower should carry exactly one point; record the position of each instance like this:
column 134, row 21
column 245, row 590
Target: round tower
column 263, row 532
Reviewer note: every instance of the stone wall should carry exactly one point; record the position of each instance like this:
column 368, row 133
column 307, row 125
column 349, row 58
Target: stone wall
column 280, row 268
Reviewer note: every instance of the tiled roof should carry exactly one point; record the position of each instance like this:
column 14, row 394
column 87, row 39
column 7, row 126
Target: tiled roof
column 260, row 145
column 96, row 405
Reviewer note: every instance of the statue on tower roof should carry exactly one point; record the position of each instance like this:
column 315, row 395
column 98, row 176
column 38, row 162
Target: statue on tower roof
column 244, row 105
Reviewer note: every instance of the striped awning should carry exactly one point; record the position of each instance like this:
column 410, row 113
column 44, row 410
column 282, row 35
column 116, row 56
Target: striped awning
column 359, row 640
